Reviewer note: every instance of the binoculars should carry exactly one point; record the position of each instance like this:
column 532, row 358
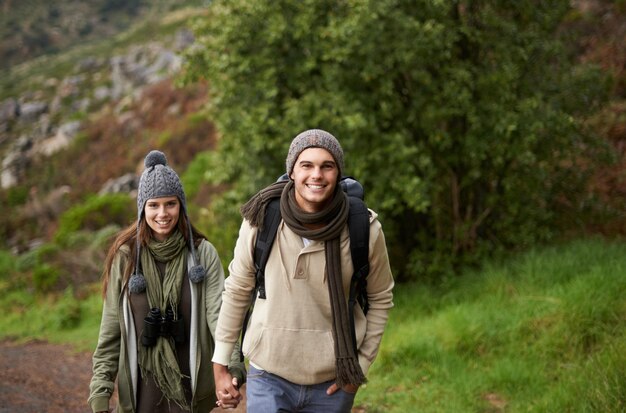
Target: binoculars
column 156, row 325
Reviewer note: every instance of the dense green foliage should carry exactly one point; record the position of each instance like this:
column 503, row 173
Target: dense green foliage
column 219, row 220
column 458, row 116
column 97, row 212
column 542, row 332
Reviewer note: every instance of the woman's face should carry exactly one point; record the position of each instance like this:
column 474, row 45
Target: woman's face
column 162, row 216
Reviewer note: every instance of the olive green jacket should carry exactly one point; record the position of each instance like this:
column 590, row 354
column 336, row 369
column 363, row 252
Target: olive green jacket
column 116, row 353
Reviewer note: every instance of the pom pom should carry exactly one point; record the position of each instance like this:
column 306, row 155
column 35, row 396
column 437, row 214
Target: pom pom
column 137, row 283
column 155, row 158
column 196, row 274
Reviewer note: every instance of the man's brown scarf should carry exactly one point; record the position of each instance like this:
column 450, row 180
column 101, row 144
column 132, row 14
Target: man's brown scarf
column 334, row 217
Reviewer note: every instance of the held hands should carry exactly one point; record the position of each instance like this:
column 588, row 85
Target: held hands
column 226, row 388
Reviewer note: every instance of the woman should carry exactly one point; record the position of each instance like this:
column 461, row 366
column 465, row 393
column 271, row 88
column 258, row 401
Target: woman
column 162, row 290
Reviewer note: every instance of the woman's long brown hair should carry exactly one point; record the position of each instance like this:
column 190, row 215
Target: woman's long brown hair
column 128, row 236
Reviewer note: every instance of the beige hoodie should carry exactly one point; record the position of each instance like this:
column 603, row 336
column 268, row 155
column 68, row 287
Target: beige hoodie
column 290, row 332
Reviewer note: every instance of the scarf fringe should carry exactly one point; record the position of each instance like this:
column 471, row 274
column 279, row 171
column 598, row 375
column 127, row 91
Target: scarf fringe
column 254, row 209
column 348, row 371
column 169, row 383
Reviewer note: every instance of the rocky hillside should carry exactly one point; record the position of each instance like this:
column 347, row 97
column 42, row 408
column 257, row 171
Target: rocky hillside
column 80, row 123
column 36, row 27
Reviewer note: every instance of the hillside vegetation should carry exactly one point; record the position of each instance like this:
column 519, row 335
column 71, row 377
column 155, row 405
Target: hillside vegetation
column 75, row 135
column 75, row 125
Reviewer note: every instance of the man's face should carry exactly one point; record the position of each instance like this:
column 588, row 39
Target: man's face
column 315, row 176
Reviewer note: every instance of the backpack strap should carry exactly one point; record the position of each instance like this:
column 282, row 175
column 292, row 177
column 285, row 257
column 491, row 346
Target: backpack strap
column 264, row 241
column 359, row 227
column 262, row 247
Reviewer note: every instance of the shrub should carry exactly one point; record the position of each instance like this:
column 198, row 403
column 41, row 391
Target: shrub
column 7, row 264
column 67, row 311
column 463, row 133
column 95, row 213
column 45, row 277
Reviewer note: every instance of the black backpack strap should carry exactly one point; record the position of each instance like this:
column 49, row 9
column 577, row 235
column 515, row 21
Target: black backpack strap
column 359, row 227
column 264, row 241
column 263, row 245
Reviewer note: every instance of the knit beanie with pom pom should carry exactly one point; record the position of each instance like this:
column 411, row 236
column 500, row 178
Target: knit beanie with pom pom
column 157, row 181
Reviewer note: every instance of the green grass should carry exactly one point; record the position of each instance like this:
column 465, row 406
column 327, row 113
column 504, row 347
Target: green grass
column 59, row 318
column 541, row 332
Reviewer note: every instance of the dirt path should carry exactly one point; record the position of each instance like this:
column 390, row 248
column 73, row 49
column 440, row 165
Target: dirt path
column 49, row 378
column 43, row 377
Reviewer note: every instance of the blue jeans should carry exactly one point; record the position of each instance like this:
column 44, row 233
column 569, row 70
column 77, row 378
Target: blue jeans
column 267, row 393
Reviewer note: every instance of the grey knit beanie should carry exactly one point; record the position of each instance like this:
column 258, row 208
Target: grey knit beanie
column 157, row 181
column 314, row 138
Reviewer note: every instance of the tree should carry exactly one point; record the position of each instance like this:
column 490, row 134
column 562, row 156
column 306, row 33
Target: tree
column 458, row 116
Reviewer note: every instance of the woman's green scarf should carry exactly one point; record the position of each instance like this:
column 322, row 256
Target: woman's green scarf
column 159, row 361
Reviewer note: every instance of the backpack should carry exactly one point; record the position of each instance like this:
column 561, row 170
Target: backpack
column 359, row 228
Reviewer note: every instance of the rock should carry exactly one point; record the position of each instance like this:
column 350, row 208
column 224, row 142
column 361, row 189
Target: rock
column 89, row 64
column 183, row 39
column 64, row 136
column 9, row 110
column 81, row 105
column 15, row 162
column 126, row 184
column 101, row 93
column 31, row 111
column 48, row 206
column 70, row 86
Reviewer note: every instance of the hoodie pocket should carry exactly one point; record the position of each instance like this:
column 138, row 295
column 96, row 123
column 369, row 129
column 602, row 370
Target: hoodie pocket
column 300, row 356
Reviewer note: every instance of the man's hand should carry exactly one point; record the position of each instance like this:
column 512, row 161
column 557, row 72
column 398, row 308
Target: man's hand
column 348, row 388
column 226, row 387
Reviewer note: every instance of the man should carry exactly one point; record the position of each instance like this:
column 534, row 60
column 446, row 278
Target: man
column 298, row 340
